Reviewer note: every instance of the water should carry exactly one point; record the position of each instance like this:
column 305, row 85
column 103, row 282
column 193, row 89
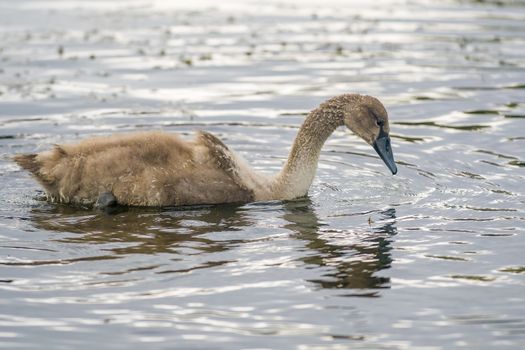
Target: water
column 431, row 258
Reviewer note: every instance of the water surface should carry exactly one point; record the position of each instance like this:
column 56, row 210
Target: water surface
column 431, row 258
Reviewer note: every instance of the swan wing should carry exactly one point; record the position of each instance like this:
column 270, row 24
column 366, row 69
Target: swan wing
column 224, row 159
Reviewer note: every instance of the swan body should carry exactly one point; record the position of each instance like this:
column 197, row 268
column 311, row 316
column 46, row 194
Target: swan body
column 161, row 169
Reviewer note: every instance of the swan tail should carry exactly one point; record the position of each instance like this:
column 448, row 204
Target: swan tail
column 28, row 162
column 39, row 165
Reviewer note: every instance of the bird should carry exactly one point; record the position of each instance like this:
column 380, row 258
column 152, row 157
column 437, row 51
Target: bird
column 159, row 169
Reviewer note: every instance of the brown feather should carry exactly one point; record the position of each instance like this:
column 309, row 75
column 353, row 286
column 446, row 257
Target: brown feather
column 28, row 162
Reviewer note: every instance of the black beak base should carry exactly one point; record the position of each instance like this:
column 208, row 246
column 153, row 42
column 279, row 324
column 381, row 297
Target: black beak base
column 383, row 148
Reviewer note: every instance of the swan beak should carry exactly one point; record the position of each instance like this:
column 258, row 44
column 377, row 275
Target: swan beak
column 383, row 148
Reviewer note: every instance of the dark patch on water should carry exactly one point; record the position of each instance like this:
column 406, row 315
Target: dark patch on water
column 437, row 125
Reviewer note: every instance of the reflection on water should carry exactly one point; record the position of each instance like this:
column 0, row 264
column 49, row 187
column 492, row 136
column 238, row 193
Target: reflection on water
column 145, row 231
column 182, row 232
column 354, row 265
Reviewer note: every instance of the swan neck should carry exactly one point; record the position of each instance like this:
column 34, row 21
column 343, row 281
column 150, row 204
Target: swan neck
column 299, row 171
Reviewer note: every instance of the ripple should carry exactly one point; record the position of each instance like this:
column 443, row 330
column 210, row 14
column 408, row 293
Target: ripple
column 434, row 124
column 514, row 269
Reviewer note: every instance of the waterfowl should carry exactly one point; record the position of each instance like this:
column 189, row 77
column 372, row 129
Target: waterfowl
column 162, row 169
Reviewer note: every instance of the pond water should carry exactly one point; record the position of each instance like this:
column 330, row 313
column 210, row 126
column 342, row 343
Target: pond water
column 432, row 258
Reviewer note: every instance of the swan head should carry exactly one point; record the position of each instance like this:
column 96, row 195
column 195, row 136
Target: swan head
column 368, row 119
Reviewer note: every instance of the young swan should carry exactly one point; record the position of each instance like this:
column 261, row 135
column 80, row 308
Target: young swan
column 160, row 169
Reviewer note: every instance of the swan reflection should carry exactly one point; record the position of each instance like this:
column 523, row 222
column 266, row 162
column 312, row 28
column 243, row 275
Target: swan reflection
column 209, row 229
column 354, row 266
column 145, row 231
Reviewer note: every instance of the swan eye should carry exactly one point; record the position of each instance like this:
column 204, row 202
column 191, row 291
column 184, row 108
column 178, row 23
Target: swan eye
column 380, row 122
